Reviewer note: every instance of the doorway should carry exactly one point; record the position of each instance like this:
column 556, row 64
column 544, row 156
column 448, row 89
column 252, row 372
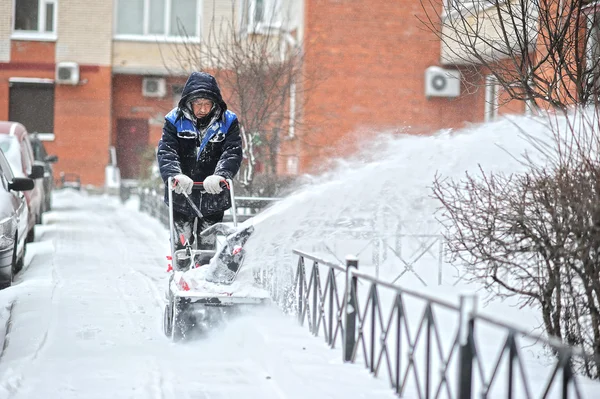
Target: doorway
column 132, row 141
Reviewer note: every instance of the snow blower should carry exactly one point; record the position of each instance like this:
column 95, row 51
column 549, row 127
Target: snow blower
column 202, row 287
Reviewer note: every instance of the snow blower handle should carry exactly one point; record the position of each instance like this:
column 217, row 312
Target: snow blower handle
column 225, row 183
column 170, row 181
column 194, row 207
column 200, row 185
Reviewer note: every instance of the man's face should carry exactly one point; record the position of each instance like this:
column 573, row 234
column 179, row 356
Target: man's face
column 201, row 107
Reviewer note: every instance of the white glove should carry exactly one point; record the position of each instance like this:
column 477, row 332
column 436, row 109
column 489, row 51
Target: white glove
column 212, row 184
column 182, row 184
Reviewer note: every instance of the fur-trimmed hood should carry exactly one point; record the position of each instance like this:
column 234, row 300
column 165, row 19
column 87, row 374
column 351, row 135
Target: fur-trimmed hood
column 201, row 85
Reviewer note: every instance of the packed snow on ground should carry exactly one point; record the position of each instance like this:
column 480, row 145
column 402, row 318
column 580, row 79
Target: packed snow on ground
column 86, row 313
column 85, row 321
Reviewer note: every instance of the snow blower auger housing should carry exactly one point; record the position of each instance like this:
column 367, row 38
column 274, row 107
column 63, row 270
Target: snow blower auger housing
column 202, row 287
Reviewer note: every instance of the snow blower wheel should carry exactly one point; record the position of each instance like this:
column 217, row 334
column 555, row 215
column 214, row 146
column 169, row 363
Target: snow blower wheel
column 168, row 321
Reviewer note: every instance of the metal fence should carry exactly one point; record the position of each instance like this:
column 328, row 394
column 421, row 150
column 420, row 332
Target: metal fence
column 407, row 248
column 435, row 350
column 373, row 323
column 401, row 242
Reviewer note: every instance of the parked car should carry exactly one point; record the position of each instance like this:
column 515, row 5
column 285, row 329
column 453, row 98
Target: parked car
column 41, row 156
column 13, row 221
column 14, row 141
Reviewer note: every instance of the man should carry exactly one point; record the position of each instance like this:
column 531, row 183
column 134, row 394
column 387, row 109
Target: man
column 200, row 143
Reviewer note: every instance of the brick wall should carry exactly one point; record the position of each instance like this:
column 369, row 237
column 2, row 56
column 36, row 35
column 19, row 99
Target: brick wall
column 29, row 60
column 6, row 21
column 129, row 103
column 32, row 52
column 147, row 57
column 85, row 29
column 82, row 125
column 368, row 60
column 81, row 113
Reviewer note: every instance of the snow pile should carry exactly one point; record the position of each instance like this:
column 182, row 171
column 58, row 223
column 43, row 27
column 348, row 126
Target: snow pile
column 389, row 183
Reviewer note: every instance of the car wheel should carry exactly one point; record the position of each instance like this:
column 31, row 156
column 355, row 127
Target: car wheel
column 30, row 235
column 7, row 282
column 18, row 261
column 19, row 265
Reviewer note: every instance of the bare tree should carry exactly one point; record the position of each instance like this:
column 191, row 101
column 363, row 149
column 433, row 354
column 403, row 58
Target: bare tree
column 257, row 61
column 536, row 235
column 544, row 52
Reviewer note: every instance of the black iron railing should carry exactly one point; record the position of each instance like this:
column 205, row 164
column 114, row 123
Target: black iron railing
column 319, row 301
column 427, row 351
column 433, row 349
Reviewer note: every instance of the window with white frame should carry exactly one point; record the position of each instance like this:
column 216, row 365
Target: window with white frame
column 258, row 14
column 176, row 91
column 168, row 18
column 491, row 98
column 35, row 16
column 292, row 165
column 593, row 50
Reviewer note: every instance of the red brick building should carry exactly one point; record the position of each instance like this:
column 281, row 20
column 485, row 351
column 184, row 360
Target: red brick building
column 372, row 57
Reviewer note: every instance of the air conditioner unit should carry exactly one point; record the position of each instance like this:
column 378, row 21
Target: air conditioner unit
column 154, row 87
column 440, row 82
column 67, row 73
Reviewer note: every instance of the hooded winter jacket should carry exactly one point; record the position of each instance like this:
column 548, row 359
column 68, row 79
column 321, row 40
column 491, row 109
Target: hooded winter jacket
column 199, row 148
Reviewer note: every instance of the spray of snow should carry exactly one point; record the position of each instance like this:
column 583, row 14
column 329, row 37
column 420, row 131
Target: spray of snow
column 390, row 179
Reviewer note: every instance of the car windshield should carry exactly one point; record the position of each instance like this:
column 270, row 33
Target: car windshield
column 10, row 147
column 39, row 152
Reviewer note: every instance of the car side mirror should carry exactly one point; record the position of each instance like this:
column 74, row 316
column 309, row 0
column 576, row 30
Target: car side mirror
column 21, row 184
column 51, row 159
column 37, row 172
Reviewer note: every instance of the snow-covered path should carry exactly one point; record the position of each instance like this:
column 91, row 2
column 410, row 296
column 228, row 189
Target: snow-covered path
column 86, row 322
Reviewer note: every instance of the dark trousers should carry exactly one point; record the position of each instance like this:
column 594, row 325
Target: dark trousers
column 183, row 224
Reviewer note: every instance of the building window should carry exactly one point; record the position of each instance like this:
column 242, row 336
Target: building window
column 593, row 54
column 176, row 90
column 35, row 16
column 259, row 11
column 260, row 14
column 292, row 165
column 491, row 98
column 168, row 18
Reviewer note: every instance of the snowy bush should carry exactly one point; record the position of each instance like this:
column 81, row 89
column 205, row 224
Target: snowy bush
column 535, row 234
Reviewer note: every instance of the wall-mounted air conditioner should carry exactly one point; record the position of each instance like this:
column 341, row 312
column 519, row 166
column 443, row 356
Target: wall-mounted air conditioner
column 154, row 87
column 67, row 73
column 440, row 82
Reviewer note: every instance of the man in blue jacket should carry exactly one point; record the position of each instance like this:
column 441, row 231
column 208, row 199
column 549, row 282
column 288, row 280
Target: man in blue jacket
column 200, row 143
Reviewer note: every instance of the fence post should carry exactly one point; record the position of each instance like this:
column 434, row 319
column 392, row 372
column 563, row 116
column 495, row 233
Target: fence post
column 331, row 278
column 301, row 277
column 468, row 304
column 350, row 307
column 565, row 359
column 440, row 259
column 316, row 316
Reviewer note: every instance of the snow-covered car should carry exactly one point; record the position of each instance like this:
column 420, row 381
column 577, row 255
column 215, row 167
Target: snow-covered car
column 14, row 141
column 41, row 156
column 13, row 221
